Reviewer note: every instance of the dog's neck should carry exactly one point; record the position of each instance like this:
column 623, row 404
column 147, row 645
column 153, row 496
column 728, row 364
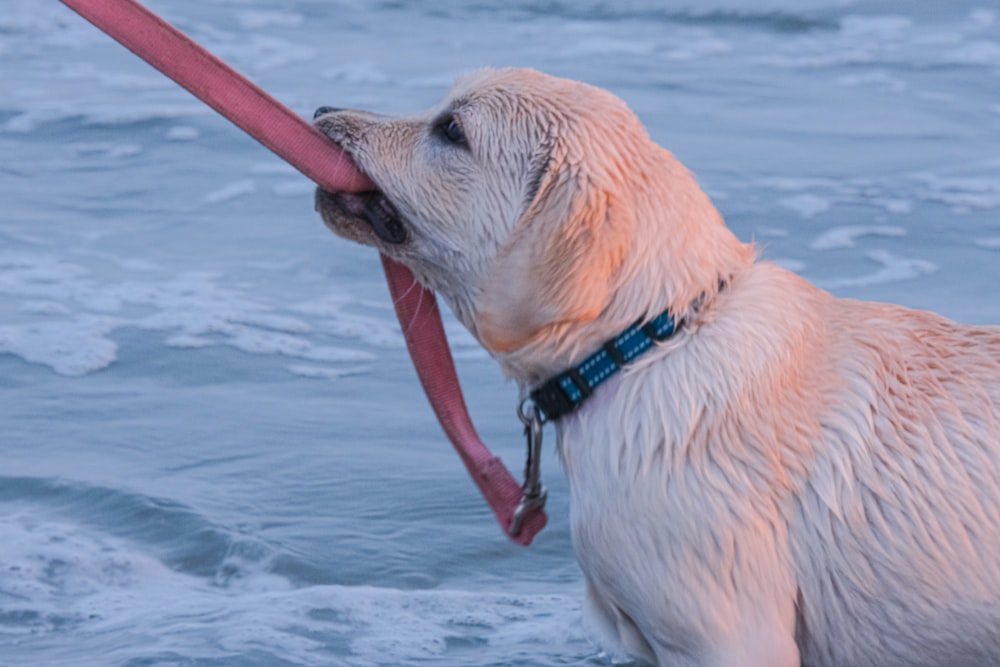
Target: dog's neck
column 677, row 250
column 567, row 391
column 676, row 263
column 565, row 346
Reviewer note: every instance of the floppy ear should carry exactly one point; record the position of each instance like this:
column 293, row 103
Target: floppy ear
column 557, row 265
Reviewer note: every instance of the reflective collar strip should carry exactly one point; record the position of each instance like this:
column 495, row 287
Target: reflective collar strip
column 565, row 392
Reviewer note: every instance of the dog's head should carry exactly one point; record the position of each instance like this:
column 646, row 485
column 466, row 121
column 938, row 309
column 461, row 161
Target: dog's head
column 520, row 200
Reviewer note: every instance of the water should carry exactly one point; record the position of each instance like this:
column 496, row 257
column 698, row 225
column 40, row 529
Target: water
column 213, row 450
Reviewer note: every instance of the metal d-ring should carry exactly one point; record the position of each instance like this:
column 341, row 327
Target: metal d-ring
column 533, row 493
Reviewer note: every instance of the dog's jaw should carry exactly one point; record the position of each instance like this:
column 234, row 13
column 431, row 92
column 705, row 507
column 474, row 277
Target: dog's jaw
column 368, row 217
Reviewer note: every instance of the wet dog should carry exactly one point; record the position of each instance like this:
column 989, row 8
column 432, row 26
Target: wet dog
column 788, row 478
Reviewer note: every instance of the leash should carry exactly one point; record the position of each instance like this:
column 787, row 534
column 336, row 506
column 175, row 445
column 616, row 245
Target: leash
column 305, row 148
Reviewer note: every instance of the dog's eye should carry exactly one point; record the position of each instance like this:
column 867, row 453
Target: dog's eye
column 450, row 129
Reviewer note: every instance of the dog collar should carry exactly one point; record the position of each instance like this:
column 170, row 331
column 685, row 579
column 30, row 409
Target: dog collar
column 565, row 392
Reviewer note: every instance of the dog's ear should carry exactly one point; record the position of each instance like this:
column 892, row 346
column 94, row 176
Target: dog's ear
column 557, row 265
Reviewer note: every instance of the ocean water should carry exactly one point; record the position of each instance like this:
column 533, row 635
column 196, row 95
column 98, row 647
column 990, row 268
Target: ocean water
column 213, row 449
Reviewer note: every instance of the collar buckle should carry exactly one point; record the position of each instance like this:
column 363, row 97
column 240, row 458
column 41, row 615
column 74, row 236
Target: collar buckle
column 533, row 493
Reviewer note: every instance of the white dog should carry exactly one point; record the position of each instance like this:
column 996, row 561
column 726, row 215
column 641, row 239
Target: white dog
column 784, row 477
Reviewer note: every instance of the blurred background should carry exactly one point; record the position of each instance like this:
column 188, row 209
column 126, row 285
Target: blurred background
column 213, row 449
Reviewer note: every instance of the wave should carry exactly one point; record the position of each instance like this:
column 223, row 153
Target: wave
column 782, row 17
column 93, row 571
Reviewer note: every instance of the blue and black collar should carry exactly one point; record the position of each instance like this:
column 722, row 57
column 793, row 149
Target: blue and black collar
column 565, row 392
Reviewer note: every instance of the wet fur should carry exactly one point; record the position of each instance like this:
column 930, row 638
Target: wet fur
column 792, row 479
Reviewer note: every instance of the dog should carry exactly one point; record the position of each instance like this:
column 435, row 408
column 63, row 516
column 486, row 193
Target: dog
column 788, row 478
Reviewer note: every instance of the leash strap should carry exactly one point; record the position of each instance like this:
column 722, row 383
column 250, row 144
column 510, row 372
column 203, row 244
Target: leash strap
column 232, row 95
column 420, row 320
column 305, row 148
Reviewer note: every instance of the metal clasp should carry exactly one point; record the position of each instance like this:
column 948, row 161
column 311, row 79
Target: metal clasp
column 533, row 493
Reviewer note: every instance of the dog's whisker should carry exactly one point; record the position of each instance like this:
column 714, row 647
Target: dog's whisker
column 408, row 326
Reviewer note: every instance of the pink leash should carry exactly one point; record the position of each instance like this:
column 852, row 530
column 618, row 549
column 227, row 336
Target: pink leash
column 305, row 148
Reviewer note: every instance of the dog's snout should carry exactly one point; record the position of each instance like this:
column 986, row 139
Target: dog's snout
column 322, row 111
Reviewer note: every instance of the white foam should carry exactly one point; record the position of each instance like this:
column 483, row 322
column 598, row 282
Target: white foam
column 231, row 191
column 439, row 81
column 332, row 354
column 845, row 237
column 47, row 558
column 334, row 315
column 860, row 40
column 101, row 594
column 140, row 113
column 98, row 114
column 36, row 20
column 819, row 54
column 327, row 372
column 68, row 317
column 255, row 20
column 357, row 73
column 980, row 52
column 807, row 205
column 773, row 232
column 962, row 194
column 275, row 166
column 188, row 341
column 263, row 52
column 44, row 308
column 893, row 269
column 798, row 184
column 33, row 273
column 255, row 341
column 182, row 133
column 795, row 265
column 984, row 18
column 698, row 48
column 272, row 321
column 299, row 188
column 396, row 627
column 814, row 196
column 596, row 45
column 137, row 264
column 470, row 354
column 894, row 204
column 879, row 79
column 112, row 150
column 936, row 96
column 75, row 347
column 107, row 78
column 889, row 27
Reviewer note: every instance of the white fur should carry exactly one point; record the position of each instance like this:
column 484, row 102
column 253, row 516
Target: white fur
column 793, row 478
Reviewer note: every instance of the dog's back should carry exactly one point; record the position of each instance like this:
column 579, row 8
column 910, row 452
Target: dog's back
column 896, row 532
column 840, row 455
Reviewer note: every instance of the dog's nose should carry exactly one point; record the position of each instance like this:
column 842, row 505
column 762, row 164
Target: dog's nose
column 324, row 110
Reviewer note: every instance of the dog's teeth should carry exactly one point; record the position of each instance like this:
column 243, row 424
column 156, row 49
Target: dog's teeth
column 382, row 216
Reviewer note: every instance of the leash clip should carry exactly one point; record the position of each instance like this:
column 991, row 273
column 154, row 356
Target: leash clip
column 533, row 493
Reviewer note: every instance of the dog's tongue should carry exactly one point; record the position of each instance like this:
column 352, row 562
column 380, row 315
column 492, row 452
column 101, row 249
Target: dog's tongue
column 306, row 149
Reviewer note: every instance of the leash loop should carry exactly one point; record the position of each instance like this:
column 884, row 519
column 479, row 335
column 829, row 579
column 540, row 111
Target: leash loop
column 533, row 493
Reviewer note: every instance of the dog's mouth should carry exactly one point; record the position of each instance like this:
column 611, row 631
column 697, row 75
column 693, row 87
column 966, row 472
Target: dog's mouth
column 372, row 207
column 356, row 215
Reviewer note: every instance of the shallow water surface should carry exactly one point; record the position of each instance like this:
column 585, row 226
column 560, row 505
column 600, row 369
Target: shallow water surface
column 213, row 449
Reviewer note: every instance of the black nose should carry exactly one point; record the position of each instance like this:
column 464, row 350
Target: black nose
column 324, row 110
